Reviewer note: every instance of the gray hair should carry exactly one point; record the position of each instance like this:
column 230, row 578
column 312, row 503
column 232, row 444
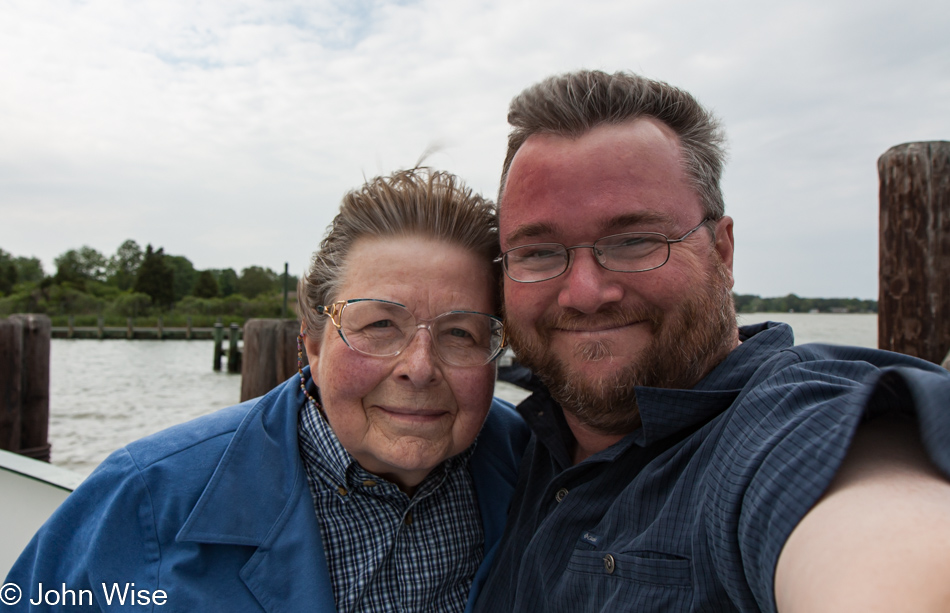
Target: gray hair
column 573, row 103
column 418, row 202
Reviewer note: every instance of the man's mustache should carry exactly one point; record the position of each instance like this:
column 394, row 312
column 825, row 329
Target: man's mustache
column 610, row 317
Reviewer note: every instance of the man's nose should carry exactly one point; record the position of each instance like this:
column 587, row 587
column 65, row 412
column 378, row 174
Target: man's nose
column 587, row 286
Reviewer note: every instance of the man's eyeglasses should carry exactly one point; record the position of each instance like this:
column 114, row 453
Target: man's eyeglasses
column 627, row 252
column 384, row 329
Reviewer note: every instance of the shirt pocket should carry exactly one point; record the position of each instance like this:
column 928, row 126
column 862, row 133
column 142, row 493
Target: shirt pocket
column 634, row 581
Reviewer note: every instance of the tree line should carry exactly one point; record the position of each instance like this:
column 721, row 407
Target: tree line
column 750, row 303
column 134, row 282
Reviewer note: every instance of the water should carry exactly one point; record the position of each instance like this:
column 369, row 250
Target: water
column 105, row 394
column 859, row 329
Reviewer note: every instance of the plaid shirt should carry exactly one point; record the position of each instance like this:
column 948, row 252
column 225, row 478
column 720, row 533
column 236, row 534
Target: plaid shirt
column 690, row 512
column 385, row 550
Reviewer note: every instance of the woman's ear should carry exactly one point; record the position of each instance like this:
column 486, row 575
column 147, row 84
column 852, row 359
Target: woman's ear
column 311, row 345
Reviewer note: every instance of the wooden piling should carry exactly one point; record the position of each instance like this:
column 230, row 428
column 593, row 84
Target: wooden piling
column 188, row 329
column 283, row 312
column 72, row 328
column 24, row 385
column 130, row 333
column 11, row 382
column 234, row 357
column 218, row 339
column 102, row 327
column 161, row 324
column 34, row 407
column 270, row 355
column 914, row 300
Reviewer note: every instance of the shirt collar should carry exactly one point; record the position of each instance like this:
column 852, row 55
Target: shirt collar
column 665, row 412
column 323, row 454
column 320, row 448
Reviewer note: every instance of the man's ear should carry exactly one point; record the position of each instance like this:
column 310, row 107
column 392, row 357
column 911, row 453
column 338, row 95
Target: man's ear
column 725, row 245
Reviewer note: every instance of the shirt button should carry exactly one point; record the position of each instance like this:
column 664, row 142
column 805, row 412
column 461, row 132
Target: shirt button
column 609, row 564
column 561, row 493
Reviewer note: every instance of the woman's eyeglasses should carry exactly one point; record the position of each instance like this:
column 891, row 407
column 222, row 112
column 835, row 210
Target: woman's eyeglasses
column 384, row 329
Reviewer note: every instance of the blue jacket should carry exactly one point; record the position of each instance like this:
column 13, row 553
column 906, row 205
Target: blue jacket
column 218, row 515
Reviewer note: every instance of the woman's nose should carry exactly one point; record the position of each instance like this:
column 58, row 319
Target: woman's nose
column 419, row 362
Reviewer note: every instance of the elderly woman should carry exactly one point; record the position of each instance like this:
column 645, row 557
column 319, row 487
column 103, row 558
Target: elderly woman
column 357, row 486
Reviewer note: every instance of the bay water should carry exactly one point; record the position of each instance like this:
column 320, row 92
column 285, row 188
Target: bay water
column 105, row 394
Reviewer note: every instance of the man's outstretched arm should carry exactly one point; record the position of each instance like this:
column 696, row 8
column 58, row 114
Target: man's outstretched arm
column 879, row 539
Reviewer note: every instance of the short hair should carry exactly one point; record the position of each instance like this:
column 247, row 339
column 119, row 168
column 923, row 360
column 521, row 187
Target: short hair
column 417, row 202
column 573, row 103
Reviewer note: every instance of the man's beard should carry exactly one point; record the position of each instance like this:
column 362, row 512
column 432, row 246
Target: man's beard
column 686, row 344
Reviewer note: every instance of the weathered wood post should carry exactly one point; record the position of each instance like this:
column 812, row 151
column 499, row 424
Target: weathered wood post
column 218, row 339
column 11, row 382
column 188, row 328
column 234, row 357
column 24, row 385
column 71, row 331
column 129, row 332
column 161, row 326
column 270, row 355
column 283, row 312
column 101, row 323
column 914, row 300
column 34, row 409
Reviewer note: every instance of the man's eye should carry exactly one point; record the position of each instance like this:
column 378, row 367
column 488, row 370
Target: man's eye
column 538, row 253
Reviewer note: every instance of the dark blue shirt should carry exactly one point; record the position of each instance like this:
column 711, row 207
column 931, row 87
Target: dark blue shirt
column 690, row 511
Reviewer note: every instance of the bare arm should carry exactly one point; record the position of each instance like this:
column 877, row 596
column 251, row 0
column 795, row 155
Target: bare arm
column 879, row 539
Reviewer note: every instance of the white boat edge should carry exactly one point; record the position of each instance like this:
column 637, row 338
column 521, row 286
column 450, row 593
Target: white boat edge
column 32, row 490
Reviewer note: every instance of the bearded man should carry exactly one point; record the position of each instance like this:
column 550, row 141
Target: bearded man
column 680, row 463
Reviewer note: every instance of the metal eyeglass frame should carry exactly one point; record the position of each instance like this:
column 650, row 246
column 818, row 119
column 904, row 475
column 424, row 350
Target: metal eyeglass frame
column 335, row 312
column 503, row 258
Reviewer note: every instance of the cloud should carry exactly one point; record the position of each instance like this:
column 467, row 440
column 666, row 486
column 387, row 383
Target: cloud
column 183, row 124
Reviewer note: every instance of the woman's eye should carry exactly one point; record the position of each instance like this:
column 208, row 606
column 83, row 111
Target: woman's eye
column 460, row 333
column 382, row 323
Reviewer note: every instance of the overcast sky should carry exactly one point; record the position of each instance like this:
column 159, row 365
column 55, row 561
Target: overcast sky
column 228, row 131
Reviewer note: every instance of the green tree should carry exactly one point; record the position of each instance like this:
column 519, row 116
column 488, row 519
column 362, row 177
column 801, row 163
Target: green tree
column 185, row 275
column 131, row 305
column 227, row 281
column 124, row 265
column 28, row 270
column 8, row 277
column 255, row 281
column 206, row 286
column 155, row 278
column 80, row 265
